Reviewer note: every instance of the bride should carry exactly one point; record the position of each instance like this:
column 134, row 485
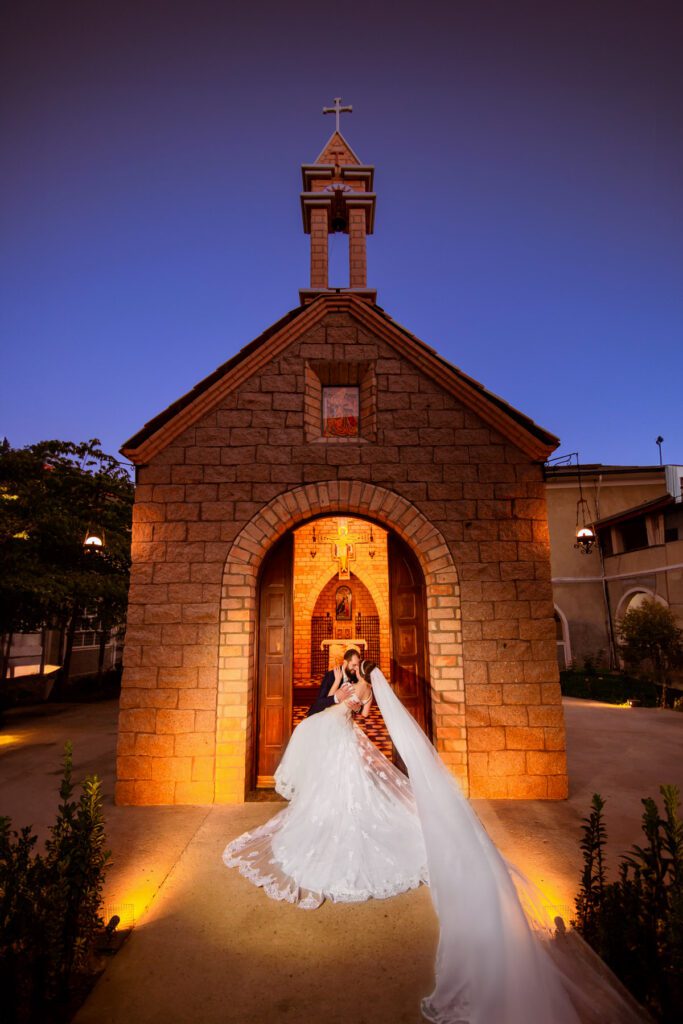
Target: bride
column 357, row 828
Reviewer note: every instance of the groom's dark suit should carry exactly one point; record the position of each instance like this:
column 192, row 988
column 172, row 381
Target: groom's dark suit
column 323, row 701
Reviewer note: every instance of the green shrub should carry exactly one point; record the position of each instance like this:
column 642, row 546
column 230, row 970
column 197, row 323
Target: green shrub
column 636, row 922
column 50, row 903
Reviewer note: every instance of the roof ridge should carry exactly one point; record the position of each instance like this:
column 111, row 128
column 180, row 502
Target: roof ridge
column 202, row 385
column 509, row 421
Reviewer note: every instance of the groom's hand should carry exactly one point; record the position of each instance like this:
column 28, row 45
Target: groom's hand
column 346, row 693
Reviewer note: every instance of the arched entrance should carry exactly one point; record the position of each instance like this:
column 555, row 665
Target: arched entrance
column 562, row 640
column 636, row 597
column 374, row 601
column 238, row 640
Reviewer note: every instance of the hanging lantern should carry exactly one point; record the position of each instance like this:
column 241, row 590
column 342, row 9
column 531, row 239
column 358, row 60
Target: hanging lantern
column 585, row 539
column 371, row 549
column 585, row 534
column 314, row 549
column 94, row 538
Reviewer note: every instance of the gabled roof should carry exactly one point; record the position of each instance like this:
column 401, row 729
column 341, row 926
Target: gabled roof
column 572, row 471
column 544, row 436
column 193, row 397
column 160, row 431
column 653, row 505
column 337, row 142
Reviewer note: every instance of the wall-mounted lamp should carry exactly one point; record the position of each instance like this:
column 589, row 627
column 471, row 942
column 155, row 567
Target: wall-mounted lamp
column 314, row 548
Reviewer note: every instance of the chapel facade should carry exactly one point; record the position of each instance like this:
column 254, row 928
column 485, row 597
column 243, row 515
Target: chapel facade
column 337, row 483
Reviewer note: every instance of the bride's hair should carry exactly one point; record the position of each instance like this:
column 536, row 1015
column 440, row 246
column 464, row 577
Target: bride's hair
column 366, row 668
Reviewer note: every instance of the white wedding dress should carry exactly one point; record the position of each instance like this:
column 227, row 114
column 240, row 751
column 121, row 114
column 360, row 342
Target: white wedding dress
column 351, row 830
column 357, row 828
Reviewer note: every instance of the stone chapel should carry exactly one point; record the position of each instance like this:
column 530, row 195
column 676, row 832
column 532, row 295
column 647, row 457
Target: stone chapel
column 336, row 484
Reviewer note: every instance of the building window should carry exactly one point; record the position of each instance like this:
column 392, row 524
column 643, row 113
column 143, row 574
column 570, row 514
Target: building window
column 673, row 524
column 88, row 631
column 606, row 541
column 340, row 402
column 562, row 642
column 633, row 535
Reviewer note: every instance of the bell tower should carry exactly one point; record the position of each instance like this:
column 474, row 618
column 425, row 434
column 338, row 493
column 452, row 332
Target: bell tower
column 337, row 196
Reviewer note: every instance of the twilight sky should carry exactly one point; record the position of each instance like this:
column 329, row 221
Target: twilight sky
column 529, row 174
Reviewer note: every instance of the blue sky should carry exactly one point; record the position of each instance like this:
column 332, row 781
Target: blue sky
column 529, row 222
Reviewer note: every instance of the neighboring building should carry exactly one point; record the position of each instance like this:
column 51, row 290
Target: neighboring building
column 337, row 416
column 34, row 658
column 637, row 515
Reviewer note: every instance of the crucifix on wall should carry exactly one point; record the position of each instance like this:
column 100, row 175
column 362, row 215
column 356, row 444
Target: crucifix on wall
column 343, row 547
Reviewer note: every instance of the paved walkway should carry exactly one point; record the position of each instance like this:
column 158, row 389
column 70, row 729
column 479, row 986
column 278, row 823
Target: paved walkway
column 209, row 947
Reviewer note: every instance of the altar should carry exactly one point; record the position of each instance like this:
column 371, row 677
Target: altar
column 337, row 647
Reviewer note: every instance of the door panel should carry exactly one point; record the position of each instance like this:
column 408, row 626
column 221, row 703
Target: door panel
column 274, row 661
column 406, row 605
column 276, row 605
column 409, row 656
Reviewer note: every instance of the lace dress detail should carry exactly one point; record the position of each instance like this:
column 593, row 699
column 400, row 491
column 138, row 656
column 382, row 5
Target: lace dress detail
column 351, row 830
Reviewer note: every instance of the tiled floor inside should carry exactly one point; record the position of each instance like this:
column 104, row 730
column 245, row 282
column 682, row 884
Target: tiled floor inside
column 373, row 726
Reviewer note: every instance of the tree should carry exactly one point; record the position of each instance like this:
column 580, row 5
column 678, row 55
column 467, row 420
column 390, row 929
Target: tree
column 649, row 637
column 51, row 493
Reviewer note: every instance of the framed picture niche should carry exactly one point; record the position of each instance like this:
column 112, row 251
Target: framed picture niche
column 343, row 601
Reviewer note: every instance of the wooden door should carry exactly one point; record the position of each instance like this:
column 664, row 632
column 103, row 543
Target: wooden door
column 409, row 674
column 274, row 661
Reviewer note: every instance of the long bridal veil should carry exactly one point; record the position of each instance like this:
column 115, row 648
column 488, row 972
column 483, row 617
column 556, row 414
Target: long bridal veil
column 500, row 958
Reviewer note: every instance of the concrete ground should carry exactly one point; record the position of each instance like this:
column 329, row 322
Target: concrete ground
column 209, row 946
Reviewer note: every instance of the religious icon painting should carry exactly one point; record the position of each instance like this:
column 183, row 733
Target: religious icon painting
column 340, row 411
column 342, row 601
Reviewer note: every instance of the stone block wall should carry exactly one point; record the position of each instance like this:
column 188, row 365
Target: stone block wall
column 470, row 503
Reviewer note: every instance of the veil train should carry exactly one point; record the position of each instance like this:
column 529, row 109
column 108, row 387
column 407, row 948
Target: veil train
column 500, row 958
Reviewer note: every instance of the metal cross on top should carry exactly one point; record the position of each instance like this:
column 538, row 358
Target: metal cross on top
column 337, row 109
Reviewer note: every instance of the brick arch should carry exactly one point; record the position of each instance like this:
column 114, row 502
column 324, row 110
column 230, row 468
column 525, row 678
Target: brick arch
column 239, row 594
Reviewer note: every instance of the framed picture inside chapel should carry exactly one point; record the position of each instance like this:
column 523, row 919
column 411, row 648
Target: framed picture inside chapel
column 343, row 601
column 341, row 411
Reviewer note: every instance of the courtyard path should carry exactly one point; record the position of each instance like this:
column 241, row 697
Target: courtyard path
column 208, row 946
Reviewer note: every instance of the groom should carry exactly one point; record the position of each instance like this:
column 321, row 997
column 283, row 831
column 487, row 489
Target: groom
column 350, row 667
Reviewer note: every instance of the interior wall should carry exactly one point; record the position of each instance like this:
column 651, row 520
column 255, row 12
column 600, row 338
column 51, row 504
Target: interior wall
column 345, row 630
column 313, row 574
